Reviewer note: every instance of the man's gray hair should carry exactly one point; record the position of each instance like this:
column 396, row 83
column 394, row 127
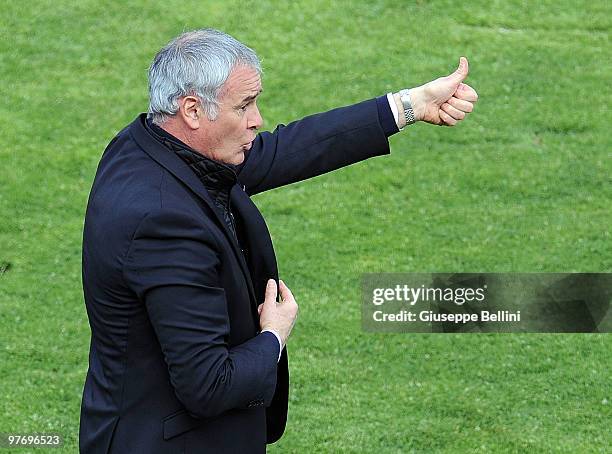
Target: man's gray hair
column 196, row 63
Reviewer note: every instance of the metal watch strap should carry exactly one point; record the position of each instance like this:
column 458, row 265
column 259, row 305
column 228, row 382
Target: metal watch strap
column 408, row 112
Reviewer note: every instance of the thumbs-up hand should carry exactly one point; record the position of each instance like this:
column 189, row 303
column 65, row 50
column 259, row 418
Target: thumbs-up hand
column 446, row 100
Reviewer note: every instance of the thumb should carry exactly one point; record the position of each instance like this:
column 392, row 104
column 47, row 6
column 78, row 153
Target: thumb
column 271, row 292
column 462, row 71
column 285, row 292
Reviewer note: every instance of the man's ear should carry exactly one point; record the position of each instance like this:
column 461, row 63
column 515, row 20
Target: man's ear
column 190, row 111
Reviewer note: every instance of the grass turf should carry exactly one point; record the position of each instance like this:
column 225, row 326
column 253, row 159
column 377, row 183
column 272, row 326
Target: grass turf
column 523, row 185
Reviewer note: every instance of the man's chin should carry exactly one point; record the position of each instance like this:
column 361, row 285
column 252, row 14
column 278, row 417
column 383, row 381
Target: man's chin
column 239, row 158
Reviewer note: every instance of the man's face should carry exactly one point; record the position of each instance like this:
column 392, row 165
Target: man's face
column 231, row 134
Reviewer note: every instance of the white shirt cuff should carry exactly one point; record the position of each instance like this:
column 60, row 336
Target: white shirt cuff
column 393, row 107
column 280, row 344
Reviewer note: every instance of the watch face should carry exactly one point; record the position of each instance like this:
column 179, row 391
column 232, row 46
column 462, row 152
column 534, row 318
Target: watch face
column 405, row 98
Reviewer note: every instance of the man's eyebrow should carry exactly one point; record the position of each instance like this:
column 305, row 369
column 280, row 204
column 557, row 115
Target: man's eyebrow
column 250, row 98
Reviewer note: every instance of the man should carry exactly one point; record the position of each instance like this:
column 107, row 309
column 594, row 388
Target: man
column 179, row 274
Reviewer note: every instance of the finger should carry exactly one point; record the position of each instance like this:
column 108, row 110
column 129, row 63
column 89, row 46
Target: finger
column 455, row 113
column 447, row 119
column 467, row 93
column 462, row 71
column 460, row 104
column 259, row 309
column 270, row 291
column 285, row 292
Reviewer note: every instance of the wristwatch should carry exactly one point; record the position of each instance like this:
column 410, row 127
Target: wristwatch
column 408, row 112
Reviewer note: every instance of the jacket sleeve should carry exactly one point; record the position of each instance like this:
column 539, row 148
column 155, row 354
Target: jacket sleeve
column 172, row 265
column 312, row 146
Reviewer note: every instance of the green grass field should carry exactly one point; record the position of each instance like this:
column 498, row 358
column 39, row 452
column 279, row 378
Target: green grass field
column 523, row 185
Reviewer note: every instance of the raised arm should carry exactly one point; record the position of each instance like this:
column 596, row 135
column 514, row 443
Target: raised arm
column 327, row 141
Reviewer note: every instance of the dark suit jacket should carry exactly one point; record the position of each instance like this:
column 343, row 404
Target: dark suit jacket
column 176, row 363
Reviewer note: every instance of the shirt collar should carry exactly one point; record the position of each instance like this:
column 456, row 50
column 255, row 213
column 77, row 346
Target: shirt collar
column 215, row 176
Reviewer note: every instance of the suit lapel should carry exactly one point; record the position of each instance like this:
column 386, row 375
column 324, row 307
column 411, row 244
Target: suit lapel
column 255, row 239
column 180, row 170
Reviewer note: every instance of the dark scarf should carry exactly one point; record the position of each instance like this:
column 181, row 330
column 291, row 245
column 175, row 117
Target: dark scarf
column 218, row 178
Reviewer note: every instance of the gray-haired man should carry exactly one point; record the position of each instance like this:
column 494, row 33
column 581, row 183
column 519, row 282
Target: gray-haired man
column 180, row 278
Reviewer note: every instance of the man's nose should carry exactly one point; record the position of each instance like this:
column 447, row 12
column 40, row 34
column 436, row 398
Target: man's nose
column 255, row 120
